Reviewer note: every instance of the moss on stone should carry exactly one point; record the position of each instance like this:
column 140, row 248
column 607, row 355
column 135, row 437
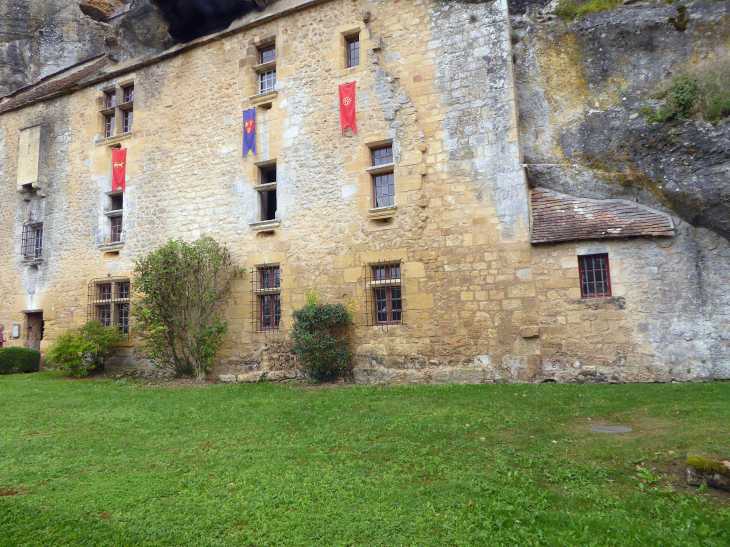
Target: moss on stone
column 708, row 464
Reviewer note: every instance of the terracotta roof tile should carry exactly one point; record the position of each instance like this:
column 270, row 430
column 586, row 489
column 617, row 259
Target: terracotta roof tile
column 559, row 217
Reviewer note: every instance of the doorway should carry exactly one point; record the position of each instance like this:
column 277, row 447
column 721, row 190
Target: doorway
column 34, row 330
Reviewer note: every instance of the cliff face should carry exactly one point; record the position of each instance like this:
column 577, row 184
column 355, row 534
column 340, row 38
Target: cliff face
column 38, row 38
column 582, row 87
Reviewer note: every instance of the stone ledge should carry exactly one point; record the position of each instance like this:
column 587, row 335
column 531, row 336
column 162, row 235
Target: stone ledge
column 382, row 212
column 114, row 140
column 265, row 225
column 263, row 98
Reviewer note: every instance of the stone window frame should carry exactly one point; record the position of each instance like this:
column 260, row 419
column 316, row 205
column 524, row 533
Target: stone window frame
column 339, row 52
column 265, row 68
column 585, row 272
column 378, row 171
column 113, row 111
column 262, row 187
column 266, row 286
column 109, row 302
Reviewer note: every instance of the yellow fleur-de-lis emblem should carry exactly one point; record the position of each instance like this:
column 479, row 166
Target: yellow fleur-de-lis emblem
column 346, row 101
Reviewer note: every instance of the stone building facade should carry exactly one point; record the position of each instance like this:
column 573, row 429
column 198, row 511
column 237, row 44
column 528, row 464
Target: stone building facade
column 471, row 294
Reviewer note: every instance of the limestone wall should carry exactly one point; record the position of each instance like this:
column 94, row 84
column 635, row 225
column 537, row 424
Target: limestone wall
column 435, row 79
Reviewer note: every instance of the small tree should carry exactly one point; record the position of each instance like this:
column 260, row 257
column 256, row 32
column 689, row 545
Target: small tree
column 320, row 337
column 85, row 349
column 180, row 289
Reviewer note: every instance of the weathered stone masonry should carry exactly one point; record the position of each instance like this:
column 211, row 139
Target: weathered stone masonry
column 481, row 302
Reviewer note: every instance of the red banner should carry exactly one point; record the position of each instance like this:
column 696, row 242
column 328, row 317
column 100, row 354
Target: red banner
column 347, row 107
column 119, row 168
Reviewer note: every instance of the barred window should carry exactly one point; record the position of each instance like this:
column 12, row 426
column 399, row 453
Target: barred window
column 595, row 281
column 32, row 241
column 266, row 298
column 108, row 302
column 384, row 296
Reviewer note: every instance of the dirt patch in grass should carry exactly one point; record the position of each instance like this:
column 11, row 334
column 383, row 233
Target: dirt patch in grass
column 11, row 491
column 675, row 473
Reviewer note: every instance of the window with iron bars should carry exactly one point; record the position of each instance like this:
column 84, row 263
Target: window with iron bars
column 595, row 280
column 383, row 294
column 108, row 302
column 32, row 241
column 266, row 298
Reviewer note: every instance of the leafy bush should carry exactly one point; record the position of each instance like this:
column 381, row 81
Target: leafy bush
column 19, row 360
column 320, row 338
column 572, row 9
column 85, row 349
column 704, row 90
column 181, row 287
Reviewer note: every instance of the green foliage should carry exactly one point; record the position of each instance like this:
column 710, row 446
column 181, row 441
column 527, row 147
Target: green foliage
column 572, row 9
column 18, row 360
column 704, row 92
column 419, row 466
column 181, row 287
column 85, row 349
column 320, row 338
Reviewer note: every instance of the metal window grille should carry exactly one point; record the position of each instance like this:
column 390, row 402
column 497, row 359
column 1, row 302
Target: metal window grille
column 128, row 94
column 353, row 52
column 383, row 294
column 123, row 317
column 109, row 302
column 382, row 156
column 267, row 81
column 266, row 298
column 110, row 99
column 127, row 121
column 384, row 188
column 109, row 125
column 267, row 54
column 595, row 281
column 116, row 229
column 32, row 241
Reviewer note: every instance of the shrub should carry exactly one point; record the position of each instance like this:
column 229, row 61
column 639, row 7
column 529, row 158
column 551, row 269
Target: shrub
column 19, row 360
column 572, row 9
column 85, row 349
column 320, row 338
column 180, row 289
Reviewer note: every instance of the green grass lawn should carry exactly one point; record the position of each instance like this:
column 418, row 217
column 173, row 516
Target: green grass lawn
column 101, row 463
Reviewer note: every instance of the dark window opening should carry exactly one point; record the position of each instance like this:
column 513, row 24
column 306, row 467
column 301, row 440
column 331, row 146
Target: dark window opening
column 123, row 317
column 268, row 205
column 353, row 52
column 268, row 174
column 595, row 281
column 117, row 202
column 32, row 241
column 104, row 314
column 270, row 278
column 105, row 291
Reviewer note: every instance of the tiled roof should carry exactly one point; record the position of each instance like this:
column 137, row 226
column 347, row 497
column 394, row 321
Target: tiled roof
column 52, row 85
column 559, row 217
